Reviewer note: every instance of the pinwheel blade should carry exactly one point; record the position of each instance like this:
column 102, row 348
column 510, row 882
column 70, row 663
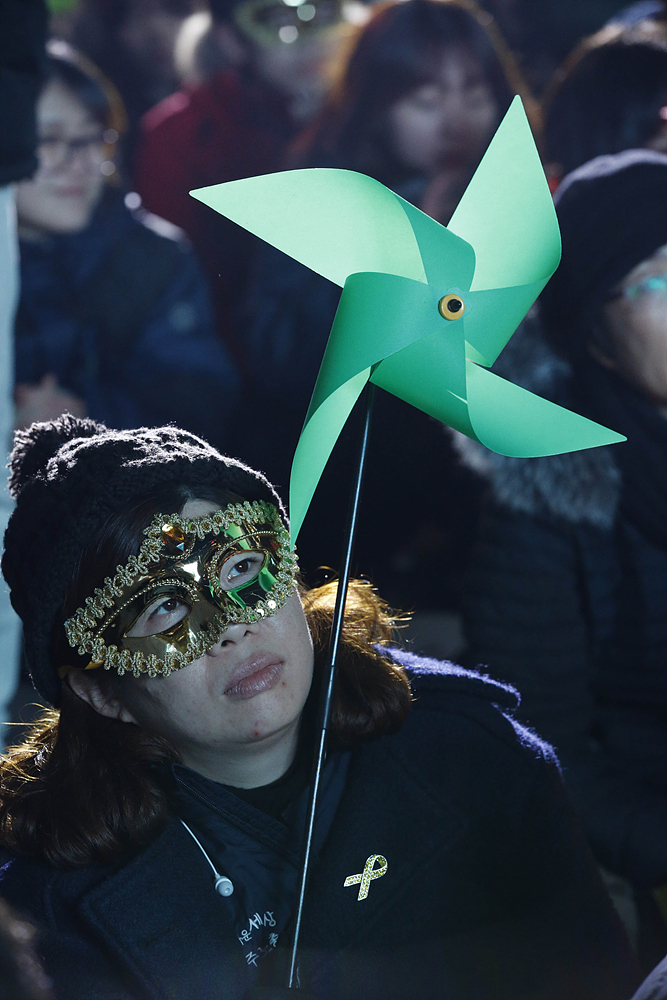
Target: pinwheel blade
column 318, row 437
column 507, row 419
column 492, row 316
column 338, row 222
column 507, row 215
column 512, row 421
column 378, row 315
column 431, row 375
column 507, row 212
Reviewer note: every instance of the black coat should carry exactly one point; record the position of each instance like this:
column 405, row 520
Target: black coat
column 489, row 892
column 566, row 598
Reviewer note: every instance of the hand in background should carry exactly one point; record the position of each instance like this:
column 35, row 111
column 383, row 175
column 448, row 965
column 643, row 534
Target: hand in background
column 44, row 401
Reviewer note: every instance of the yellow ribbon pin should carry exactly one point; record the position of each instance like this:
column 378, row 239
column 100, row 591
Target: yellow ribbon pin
column 369, row 873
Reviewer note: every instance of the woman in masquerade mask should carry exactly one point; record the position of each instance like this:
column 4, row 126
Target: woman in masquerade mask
column 152, row 821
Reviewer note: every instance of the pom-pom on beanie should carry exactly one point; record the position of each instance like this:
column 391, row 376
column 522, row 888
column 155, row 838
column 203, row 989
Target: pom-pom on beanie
column 69, row 476
column 612, row 213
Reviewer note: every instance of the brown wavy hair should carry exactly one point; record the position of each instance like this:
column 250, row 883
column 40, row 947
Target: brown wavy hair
column 81, row 787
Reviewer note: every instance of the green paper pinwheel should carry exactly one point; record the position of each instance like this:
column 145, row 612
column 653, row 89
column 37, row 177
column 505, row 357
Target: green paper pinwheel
column 425, row 308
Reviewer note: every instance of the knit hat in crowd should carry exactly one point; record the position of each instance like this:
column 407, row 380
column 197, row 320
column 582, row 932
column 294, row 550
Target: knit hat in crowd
column 68, row 477
column 612, row 214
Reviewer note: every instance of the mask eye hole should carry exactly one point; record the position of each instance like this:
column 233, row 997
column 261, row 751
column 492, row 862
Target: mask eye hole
column 241, row 569
column 451, row 306
column 161, row 615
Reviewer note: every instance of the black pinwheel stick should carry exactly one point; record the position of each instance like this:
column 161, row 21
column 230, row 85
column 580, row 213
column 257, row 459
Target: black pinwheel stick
column 330, row 675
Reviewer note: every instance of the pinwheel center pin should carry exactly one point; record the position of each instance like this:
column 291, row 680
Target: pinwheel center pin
column 451, row 306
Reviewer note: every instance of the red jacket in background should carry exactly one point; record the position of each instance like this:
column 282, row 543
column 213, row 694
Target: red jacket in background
column 232, row 126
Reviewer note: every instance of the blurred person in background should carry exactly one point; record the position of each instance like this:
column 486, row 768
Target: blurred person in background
column 237, row 124
column 543, row 32
column 22, row 37
column 610, row 95
column 197, row 55
column 114, row 319
column 566, row 595
column 419, row 96
column 132, row 42
column 415, row 105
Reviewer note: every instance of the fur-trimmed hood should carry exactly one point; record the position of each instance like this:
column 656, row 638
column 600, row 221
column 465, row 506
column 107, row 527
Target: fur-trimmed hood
column 581, row 487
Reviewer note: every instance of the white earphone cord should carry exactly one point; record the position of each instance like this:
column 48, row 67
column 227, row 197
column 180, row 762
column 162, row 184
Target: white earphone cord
column 223, row 885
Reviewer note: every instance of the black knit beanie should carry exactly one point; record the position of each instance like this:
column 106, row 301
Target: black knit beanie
column 69, row 476
column 612, row 214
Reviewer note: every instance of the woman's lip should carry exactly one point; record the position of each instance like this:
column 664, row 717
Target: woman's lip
column 257, row 683
column 257, row 674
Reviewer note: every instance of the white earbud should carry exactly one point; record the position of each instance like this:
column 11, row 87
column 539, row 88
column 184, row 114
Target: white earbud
column 223, row 885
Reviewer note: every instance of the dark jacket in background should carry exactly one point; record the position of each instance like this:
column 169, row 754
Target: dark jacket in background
column 121, row 315
column 22, row 62
column 566, row 598
column 489, row 893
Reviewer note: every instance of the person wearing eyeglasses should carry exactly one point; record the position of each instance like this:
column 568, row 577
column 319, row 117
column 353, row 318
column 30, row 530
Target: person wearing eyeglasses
column 114, row 319
column 566, row 597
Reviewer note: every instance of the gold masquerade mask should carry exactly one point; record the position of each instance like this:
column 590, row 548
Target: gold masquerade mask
column 192, row 579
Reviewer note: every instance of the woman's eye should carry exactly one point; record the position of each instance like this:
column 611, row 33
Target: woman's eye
column 426, row 99
column 159, row 616
column 240, row 570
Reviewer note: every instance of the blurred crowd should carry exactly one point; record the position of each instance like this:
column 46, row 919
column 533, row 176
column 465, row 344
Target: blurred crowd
column 140, row 306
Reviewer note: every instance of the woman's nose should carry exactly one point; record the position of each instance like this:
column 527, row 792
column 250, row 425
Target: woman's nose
column 79, row 162
column 234, row 634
